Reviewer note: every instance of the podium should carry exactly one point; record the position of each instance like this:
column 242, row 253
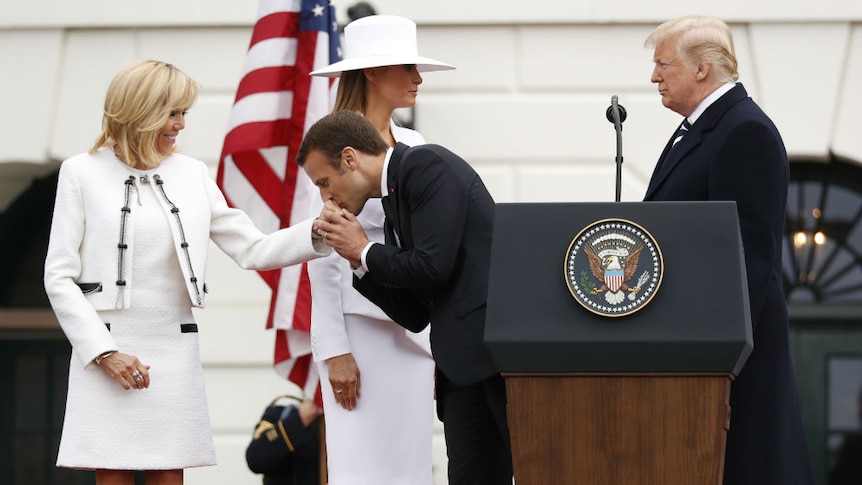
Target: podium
column 641, row 398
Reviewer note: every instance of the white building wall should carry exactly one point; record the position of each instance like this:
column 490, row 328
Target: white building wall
column 526, row 107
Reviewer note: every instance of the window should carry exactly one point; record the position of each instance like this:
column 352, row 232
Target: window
column 823, row 242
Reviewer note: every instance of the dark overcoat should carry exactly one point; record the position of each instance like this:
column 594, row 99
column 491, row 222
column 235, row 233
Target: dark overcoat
column 733, row 151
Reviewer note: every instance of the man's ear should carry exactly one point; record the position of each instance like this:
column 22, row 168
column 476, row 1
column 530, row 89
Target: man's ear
column 349, row 157
column 703, row 69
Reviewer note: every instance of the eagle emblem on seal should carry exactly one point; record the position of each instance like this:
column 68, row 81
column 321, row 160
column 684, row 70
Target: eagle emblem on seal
column 613, row 267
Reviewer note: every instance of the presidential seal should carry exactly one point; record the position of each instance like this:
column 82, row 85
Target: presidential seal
column 613, row 267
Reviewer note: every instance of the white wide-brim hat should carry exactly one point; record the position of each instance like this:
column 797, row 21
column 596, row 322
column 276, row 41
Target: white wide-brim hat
column 380, row 40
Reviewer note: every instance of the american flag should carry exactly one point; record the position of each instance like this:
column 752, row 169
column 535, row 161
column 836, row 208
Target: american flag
column 276, row 102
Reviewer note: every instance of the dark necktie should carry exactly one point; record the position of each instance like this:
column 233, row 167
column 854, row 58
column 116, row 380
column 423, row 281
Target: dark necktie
column 683, row 129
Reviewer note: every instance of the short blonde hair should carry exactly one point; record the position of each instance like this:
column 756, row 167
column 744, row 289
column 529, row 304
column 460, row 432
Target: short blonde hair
column 701, row 39
column 139, row 101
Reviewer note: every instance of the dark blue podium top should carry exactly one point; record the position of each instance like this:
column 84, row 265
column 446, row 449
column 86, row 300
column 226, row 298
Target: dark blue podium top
column 698, row 320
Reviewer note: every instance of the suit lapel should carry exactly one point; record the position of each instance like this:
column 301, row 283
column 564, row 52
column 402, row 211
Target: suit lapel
column 388, row 230
column 661, row 161
column 671, row 158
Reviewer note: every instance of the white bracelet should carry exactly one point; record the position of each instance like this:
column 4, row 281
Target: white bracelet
column 102, row 357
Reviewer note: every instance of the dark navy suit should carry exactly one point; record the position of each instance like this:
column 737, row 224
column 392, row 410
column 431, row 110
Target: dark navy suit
column 434, row 268
column 734, row 152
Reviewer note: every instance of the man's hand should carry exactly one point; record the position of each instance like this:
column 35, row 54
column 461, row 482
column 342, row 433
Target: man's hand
column 342, row 231
column 344, row 379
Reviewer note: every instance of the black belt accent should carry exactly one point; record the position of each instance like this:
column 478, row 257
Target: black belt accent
column 89, row 287
column 184, row 327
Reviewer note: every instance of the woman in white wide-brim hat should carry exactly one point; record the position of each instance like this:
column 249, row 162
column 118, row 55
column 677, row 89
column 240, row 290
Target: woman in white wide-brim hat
column 379, row 428
column 380, row 70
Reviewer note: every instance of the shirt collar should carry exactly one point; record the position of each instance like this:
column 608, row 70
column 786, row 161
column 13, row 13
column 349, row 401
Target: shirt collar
column 384, row 177
column 707, row 102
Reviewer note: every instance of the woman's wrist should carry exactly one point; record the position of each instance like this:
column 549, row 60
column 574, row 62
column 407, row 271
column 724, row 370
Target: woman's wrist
column 315, row 230
column 104, row 355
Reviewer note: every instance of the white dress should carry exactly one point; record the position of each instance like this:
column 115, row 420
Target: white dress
column 149, row 314
column 387, row 438
column 167, row 425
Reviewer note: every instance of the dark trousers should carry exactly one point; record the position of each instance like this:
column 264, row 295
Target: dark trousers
column 476, row 430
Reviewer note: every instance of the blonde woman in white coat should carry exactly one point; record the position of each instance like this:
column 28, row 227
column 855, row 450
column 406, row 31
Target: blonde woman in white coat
column 377, row 379
column 126, row 263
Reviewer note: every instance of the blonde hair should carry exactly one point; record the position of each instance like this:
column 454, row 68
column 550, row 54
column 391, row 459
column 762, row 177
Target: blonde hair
column 140, row 99
column 701, row 39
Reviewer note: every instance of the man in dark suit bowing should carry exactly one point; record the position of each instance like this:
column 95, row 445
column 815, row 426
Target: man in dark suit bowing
column 432, row 268
column 728, row 149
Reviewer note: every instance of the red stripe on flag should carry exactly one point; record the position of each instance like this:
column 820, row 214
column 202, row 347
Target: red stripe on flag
column 257, row 171
column 298, row 369
column 267, row 79
column 278, row 24
column 301, row 369
column 256, row 135
column 302, row 311
column 281, row 350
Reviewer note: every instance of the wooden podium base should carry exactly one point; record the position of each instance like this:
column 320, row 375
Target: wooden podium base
column 618, row 429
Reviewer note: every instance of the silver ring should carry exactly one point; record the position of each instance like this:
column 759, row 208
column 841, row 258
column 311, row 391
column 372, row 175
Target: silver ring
column 137, row 375
column 339, row 391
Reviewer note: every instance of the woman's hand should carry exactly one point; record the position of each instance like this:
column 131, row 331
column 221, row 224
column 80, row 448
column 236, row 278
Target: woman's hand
column 127, row 370
column 344, row 379
column 341, row 230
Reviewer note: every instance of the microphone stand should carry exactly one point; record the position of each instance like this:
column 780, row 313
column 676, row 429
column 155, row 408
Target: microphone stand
column 616, row 114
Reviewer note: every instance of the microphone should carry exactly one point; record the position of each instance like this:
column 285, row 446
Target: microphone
column 616, row 114
column 614, row 108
